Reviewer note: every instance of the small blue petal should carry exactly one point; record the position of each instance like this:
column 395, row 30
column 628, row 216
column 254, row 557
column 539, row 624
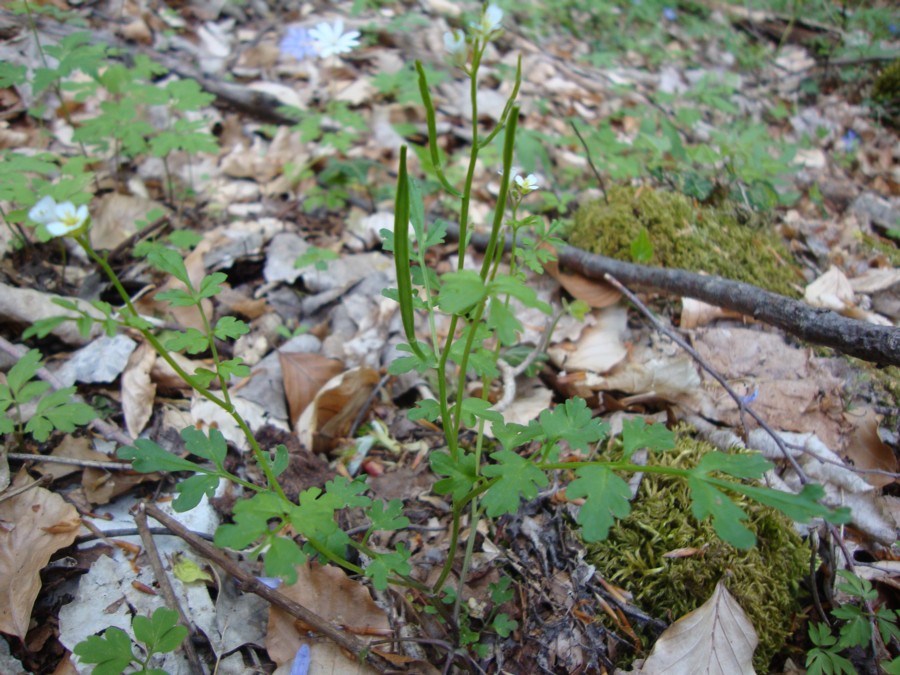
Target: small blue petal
column 297, row 42
column 271, row 582
column 850, row 140
column 892, row 27
column 300, row 666
column 669, row 14
column 749, row 398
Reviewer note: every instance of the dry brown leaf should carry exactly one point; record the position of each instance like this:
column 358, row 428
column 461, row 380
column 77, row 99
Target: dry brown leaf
column 304, row 374
column 714, row 639
column 597, row 294
column 113, row 218
column 866, row 450
column 332, row 412
column 35, row 524
column 138, row 391
column 332, row 595
column 69, row 447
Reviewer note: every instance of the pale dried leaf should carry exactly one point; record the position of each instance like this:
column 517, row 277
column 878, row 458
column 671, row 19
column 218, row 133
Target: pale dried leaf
column 832, row 291
column 35, row 525
column 138, row 391
column 304, row 375
column 600, row 346
column 25, row 306
column 114, row 218
column 714, row 639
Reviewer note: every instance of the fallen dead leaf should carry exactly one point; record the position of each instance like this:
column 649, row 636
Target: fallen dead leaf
column 329, row 417
column 36, row 524
column 138, row 390
column 866, row 450
column 331, row 594
column 714, row 639
column 600, row 346
column 304, row 375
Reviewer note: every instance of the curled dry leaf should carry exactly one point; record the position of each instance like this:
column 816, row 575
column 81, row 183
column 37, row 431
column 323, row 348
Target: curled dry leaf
column 138, row 391
column 866, row 450
column 331, row 414
column 36, row 524
column 304, row 375
column 600, row 346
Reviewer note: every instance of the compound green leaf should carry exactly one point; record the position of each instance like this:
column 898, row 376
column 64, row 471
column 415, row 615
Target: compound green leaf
column 461, row 475
column 607, row 498
column 707, row 501
column 517, row 477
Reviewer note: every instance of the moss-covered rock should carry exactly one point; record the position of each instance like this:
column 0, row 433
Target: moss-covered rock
column 887, row 85
column 723, row 240
column 765, row 580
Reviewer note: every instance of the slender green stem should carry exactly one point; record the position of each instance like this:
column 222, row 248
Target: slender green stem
column 226, row 405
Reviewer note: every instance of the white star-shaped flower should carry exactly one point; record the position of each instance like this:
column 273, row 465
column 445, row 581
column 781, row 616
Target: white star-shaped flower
column 68, row 220
column 527, row 184
column 44, row 211
column 490, row 22
column 329, row 40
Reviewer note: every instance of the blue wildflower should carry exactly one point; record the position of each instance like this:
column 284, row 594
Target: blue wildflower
column 669, row 14
column 892, row 27
column 301, row 663
column 850, row 140
column 297, row 42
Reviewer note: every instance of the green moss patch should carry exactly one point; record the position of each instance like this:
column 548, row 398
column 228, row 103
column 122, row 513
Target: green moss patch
column 764, row 580
column 724, row 240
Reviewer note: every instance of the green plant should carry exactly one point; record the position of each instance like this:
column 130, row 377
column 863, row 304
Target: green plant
column 482, row 478
column 114, row 651
column 55, row 411
column 860, row 624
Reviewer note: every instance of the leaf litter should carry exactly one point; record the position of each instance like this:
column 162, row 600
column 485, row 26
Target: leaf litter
column 325, row 388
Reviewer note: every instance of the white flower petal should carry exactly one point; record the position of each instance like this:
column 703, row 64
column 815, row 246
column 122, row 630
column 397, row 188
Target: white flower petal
column 44, row 211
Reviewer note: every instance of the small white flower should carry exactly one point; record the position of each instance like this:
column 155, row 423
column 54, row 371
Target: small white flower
column 329, row 39
column 455, row 44
column 454, row 41
column 527, row 184
column 68, row 221
column 490, row 22
column 44, row 211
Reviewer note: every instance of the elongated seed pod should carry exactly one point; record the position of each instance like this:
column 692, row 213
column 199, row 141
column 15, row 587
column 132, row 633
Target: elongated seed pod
column 401, row 256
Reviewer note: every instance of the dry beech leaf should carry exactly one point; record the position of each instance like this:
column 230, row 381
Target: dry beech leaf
column 329, row 417
column 138, row 391
column 304, row 374
column 597, row 294
column 832, row 291
column 25, row 306
column 714, row 639
column 600, row 346
column 36, row 524
column 332, row 595
column 866, row 450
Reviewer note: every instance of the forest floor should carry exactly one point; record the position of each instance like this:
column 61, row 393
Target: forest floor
column 736, row 165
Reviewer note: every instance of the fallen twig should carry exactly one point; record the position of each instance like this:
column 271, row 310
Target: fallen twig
column 359, row 649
